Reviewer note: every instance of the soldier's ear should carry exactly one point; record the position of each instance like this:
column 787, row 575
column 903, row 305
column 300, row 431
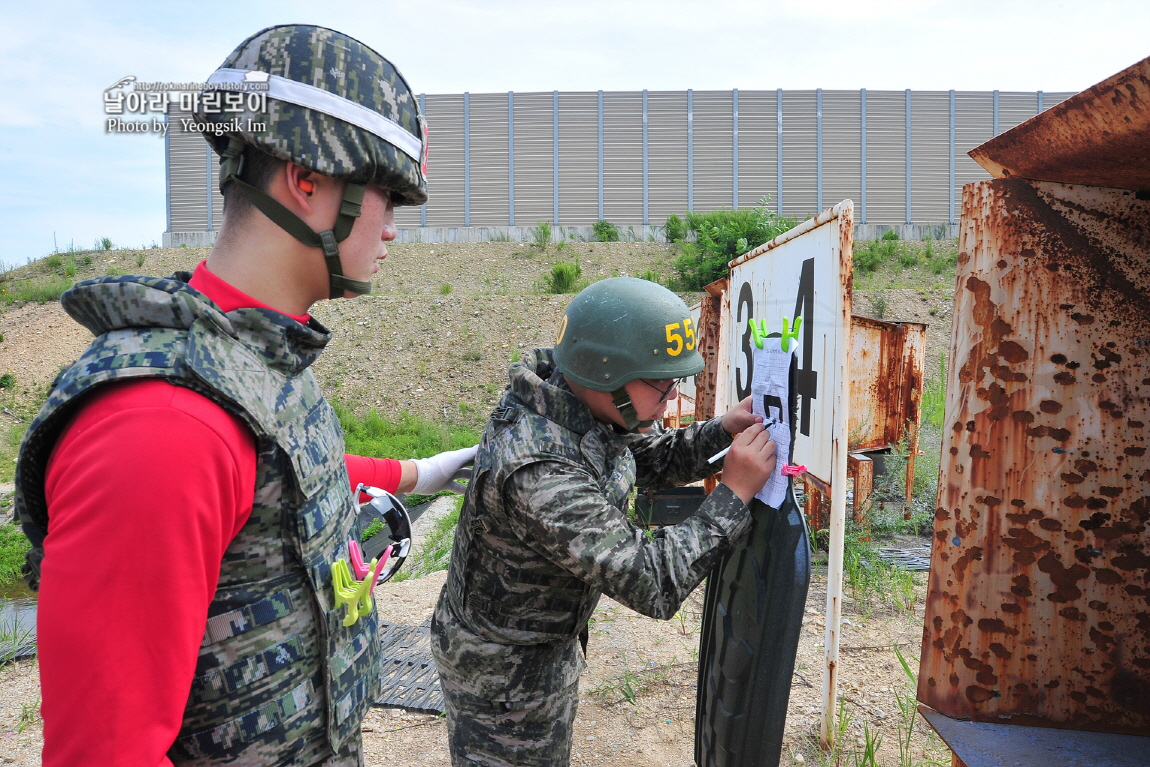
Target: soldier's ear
column 300, row 186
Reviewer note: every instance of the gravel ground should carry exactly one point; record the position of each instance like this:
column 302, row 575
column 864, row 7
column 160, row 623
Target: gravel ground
column 442, row 352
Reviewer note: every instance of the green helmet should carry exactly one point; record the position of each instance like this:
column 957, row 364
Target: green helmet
column 624, row 328
column 333, row 106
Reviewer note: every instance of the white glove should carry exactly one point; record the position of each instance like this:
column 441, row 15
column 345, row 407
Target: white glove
column 435, row 474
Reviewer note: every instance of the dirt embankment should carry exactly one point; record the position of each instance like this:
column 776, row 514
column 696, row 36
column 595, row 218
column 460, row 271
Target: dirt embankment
column 438, row 332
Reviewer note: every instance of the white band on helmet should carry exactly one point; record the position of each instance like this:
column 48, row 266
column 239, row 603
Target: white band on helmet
column 328, row 103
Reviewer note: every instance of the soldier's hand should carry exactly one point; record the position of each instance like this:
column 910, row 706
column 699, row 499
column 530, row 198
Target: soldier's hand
column 738, row 418
column 750, row 462
column 437, row 473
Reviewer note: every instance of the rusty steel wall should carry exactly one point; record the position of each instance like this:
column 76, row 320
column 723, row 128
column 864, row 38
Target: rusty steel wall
column 1038, row 609
column 886, row 381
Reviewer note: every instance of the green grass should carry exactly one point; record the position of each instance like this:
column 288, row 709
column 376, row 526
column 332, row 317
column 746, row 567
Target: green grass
column 13, row 546
column 408, row 436
column 872, row 582
column 934, row 395
column 885, row 264
column 435, row 552
column 40, row 291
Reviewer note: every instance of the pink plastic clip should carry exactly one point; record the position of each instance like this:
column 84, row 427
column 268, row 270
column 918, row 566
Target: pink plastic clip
column 383, row 557
column 793, row 471
column 359, row 570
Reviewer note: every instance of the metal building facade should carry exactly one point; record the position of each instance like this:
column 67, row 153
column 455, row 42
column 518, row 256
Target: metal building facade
column 635, row 157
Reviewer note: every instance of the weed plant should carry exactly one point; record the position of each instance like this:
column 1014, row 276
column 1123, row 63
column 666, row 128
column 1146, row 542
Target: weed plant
column 565, row 277
column 605, row 231
column 104, row 243
column 541, row 235
column 719, row 236
column 652, row 276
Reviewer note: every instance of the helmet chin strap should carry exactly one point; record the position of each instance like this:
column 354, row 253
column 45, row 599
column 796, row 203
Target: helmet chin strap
column 623, row 404
column 232, row 165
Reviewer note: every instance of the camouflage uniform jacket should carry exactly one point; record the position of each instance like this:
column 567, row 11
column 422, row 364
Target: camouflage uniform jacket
column 279, row 679
column 543, row 531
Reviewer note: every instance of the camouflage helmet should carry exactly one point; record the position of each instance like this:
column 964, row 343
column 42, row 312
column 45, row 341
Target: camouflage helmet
column 333, row 106
column 621, row 329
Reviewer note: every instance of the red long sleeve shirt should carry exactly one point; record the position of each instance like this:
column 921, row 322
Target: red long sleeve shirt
column 146, row 488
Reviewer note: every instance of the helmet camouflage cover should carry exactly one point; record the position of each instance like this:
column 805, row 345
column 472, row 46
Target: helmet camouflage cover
column 623, row 328
column 334, row 106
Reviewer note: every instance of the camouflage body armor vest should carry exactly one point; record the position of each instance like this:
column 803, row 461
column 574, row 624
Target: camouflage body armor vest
column 504, row 590
column 279, row 679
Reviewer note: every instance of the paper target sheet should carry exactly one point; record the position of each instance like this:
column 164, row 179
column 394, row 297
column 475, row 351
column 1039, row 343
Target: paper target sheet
column 770, row 395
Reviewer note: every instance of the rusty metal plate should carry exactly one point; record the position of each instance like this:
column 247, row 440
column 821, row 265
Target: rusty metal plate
column 1038, row 609
column 1100, row 137
column 886, row 381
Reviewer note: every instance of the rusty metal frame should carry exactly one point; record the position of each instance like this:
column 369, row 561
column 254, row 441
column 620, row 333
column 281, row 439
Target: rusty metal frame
column 1038, row 610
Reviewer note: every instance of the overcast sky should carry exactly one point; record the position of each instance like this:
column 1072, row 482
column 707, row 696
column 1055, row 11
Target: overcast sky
column 68, row 179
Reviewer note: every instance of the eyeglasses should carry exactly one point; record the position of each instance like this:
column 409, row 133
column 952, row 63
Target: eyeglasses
column 665, row 393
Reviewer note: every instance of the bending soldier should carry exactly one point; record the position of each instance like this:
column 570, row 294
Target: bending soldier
column 185, row 486
column 543, row 530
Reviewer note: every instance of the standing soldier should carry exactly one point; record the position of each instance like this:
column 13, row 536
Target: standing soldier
column 544, row 531
column 185, row 487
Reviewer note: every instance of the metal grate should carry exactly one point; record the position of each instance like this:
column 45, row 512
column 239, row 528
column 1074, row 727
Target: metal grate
column 409, row 679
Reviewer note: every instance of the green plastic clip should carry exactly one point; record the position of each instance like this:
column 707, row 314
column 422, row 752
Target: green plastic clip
column 758, row 332
column 355, row 594
column 789, row 333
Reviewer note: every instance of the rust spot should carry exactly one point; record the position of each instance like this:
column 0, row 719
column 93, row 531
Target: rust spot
column 1013, row 352
column 1058, row 359
column 1111, row 492
column 1053, row 525
column 1065, row 579
column 976, row 451
column 1083, row 319
column 1021, row 587
column 1050, row 406
column 1023, row 416
column 1107, row 577
column 1075, row 501
column 1134, row 424
column 1000, row 651
column 1072, row 479
column 1131, row 558
column 1051, row 684
column 1017, row 502
column 996, row 626
column 1098, row 378
column 1062, row 435
column 1085, row 467
column 1011, row 609
column 976, row 694
column 1064, row 378
column 1037, row 431
column 1135, row 451
column 1101, row 640
column 1072, row 613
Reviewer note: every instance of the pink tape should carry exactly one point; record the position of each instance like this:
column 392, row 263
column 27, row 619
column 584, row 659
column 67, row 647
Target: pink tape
column 793, row 471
